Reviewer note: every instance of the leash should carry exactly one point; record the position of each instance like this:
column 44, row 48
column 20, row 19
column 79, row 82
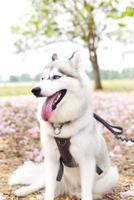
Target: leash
column 64, row 144
column 117, row 131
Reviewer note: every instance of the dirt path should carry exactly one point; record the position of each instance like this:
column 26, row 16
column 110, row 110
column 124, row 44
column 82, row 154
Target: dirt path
column 19, row 139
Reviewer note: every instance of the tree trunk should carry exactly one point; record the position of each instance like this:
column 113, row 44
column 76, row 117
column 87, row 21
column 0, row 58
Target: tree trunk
column 92, row 42
column 95, row 66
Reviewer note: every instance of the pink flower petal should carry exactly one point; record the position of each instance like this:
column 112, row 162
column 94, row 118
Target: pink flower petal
column 2, row 197
column 129, row 193
column 40, row 196
column 35, row 155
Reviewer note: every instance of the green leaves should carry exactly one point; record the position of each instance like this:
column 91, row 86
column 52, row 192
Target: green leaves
column 71, row 19
column 50, row 28
column 88, row 7
column 16, row 29
column 121, row 24
column 114, row 13
column 129, row 12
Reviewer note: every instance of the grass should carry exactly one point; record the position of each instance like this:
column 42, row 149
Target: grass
column 17, row 89
column 118, row 85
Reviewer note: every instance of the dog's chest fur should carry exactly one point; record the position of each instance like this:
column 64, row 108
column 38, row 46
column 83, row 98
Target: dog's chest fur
column 82, row 141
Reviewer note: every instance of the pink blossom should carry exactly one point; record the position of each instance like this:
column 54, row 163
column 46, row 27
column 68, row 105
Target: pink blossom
column 129, row 193
column 40, row 196
column 117, row 109
column 35, row 155
column 117, row 149
column 2, row 197
column 116, row 153
column 34, row 132
column 24, row 140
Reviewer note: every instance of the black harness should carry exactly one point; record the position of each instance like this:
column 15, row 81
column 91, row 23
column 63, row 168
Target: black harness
column 64, row 144
column 66, row 158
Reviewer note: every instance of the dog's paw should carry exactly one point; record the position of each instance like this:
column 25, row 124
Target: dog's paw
column 97, row 197
column 13, row 180
column 21, row 192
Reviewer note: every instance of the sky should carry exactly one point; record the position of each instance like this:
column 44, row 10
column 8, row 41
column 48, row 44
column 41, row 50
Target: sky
column 110, row 53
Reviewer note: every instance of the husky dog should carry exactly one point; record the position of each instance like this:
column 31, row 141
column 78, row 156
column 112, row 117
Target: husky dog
column 66, row 111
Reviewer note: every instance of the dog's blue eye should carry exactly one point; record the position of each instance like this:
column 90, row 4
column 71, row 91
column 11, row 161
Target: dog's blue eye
column 56, row 77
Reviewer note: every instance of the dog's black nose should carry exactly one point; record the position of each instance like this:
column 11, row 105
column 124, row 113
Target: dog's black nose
column 36, row 91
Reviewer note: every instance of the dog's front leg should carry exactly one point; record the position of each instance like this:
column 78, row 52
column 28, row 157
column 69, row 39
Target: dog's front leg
column 87, row 171
column 51, row 171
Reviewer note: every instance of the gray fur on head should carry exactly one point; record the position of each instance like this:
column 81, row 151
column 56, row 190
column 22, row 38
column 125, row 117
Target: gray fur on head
column 54, row 57
column 72, row 55
column 75, row 59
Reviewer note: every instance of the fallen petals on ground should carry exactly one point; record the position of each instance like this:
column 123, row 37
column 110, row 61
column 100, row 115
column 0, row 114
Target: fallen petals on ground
column 2, row 197
column 128, row 193
column 19, row 140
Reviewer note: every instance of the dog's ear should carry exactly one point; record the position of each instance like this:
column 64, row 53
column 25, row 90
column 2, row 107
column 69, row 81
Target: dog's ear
column 75, row 59
column 54, row 57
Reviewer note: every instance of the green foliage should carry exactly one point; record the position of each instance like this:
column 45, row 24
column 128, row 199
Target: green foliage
column 13, row 78
column 25, row 78
column 129, row 12
column 51, row 20
column 37, row 77
column 127, row 73
column 88, row 7
column 16, row 89
column 121, row 24
column 58, row 20
column 123, row 33
column 16, row 29
column 109, row 74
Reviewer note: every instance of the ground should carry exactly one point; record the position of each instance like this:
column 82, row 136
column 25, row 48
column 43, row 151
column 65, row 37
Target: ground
column 19, row 139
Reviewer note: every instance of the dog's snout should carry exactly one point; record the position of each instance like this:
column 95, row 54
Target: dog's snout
column 36, row 91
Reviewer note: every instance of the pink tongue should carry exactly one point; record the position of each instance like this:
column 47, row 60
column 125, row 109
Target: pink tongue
column 47, row 107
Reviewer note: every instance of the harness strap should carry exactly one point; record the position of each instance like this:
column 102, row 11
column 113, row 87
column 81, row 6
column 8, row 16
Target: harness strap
column 66, row 158
column 63, row 146
column 60, row 171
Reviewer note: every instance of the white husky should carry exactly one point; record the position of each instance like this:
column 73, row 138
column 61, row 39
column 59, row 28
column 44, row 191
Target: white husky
column 66, row 111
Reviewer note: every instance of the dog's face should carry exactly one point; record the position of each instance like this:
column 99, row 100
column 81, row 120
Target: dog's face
column 63, row 90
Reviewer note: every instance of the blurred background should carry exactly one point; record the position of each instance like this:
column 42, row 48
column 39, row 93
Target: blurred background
column 30, row 32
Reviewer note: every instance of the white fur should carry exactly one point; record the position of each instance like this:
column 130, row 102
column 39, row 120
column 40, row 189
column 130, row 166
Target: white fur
column 87, row 143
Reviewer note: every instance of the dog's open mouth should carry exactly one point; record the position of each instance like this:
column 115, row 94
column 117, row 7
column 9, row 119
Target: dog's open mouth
column 51, row 103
